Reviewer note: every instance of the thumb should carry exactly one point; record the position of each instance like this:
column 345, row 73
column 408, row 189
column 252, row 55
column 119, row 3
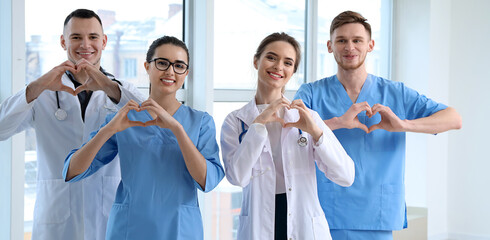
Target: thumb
column 68, row 90
column 80, row 89
column 374, row 127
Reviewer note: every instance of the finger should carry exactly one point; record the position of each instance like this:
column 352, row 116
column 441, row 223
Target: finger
column 136, row 124
column 67, row 89
column 363, row 127
column 374, row 127
column 291, row 124
column 153, row 122
column 80, row 89
column 68, row 63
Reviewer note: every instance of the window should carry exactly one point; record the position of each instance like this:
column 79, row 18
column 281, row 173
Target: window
column 130, row 29
column 130, row 68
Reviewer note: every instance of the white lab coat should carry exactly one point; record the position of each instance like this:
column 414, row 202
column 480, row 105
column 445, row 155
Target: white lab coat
column 250, row 165
column 66, row 210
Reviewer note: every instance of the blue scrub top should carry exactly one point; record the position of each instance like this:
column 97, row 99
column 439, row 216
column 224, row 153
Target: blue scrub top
column 157, row 196
column 376, row 200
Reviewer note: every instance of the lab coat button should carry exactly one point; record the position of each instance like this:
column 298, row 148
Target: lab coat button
column 290, row 189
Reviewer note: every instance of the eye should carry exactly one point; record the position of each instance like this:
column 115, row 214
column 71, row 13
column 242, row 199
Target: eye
column 162, row 63
column 75, row 38
column 270, row 57
column 289, row 63
column 94, row 37
column 341, row 41
column 180, row 66
column 357, row 41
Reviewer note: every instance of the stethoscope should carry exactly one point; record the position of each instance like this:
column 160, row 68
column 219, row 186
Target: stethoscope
column 60, row 114
column 302, row 140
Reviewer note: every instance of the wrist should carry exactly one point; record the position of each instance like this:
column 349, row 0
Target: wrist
column 333, row 123
column 33, row 90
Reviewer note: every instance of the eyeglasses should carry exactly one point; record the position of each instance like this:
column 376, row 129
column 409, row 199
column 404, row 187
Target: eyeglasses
column 163, row 64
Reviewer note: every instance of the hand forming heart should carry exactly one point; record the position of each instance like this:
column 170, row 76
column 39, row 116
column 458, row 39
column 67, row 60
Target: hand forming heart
column 389, row 121
column 96, row 79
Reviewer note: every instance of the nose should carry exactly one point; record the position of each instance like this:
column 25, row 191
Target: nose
column 85, row 43
column 278, row 65
column 170, row 70
column 349, row 45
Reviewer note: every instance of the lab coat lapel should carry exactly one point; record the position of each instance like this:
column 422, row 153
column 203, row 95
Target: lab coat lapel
column 248, row 113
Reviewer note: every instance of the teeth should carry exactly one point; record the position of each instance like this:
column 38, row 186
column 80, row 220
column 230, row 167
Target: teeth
column 85, row 53
column 168, row 81
column 275, row 75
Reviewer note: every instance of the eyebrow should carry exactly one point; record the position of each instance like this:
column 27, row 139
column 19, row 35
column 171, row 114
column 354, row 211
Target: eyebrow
column 273, row 53
column 355, row 37
column 90, row 34
column 176, row 61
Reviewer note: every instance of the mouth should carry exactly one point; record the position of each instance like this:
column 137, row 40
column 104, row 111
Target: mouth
column 350, row 57
column 275, row 76
column 85, row 54
column 167, row 81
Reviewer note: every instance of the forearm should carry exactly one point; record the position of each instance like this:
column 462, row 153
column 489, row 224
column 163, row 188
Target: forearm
column 82, row 158
column 33, row 90
column 195, row 162
column 334, row 123
column 438, row 122
column 112, row 90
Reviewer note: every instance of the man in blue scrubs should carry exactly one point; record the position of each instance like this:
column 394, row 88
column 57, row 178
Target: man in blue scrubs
column 369, row 115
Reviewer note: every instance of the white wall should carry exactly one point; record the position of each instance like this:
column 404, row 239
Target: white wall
column 440, row 50
column 469, row 162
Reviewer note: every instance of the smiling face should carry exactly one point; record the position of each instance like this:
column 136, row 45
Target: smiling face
column 275, row 66
column 84, row 38
column 350, row 44
column 166, row 82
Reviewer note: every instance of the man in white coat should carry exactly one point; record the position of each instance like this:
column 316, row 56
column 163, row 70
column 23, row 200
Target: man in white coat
column 64, row 106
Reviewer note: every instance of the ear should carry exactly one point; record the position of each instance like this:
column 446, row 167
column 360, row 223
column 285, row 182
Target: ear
column 371, row 45
column 147, row 67
column 104, row 41
column 255, row 63
column 62, row 42
column 329, row 46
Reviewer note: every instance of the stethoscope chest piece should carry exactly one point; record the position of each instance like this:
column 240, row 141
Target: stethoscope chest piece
column 302, row 141
column 60, row 114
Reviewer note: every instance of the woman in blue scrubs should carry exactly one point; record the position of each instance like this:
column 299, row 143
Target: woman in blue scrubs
column 167, row 151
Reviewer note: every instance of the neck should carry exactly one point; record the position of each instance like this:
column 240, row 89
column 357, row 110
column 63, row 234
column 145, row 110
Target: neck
column 168, row 102
column 267, row 95
column 352, row 80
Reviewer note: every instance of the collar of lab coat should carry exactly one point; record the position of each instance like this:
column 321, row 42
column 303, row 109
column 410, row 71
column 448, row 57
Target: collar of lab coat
column 249, row 112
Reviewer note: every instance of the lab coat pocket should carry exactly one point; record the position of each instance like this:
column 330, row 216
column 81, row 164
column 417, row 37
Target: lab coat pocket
column 320, row 228
column 53, row 201
column 109, row 187
column 190, row 223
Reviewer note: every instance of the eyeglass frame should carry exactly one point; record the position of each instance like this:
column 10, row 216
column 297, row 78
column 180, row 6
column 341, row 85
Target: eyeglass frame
column 170, row 64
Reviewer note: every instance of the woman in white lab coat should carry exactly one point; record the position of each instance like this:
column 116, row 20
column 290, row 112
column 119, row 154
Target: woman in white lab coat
column 270, row 147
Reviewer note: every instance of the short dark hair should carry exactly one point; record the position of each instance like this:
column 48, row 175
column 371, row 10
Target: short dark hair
column 166, row 40
column 280, row 36
column 82, row 13
column 349, row 17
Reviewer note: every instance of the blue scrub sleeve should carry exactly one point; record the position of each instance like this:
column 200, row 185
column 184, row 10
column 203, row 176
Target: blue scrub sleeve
column 105, row 155
column 304, row 93
column 209, row 149
column 418, row 105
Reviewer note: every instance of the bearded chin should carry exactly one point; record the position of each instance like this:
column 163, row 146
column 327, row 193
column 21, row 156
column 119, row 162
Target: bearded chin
column 349, row 67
